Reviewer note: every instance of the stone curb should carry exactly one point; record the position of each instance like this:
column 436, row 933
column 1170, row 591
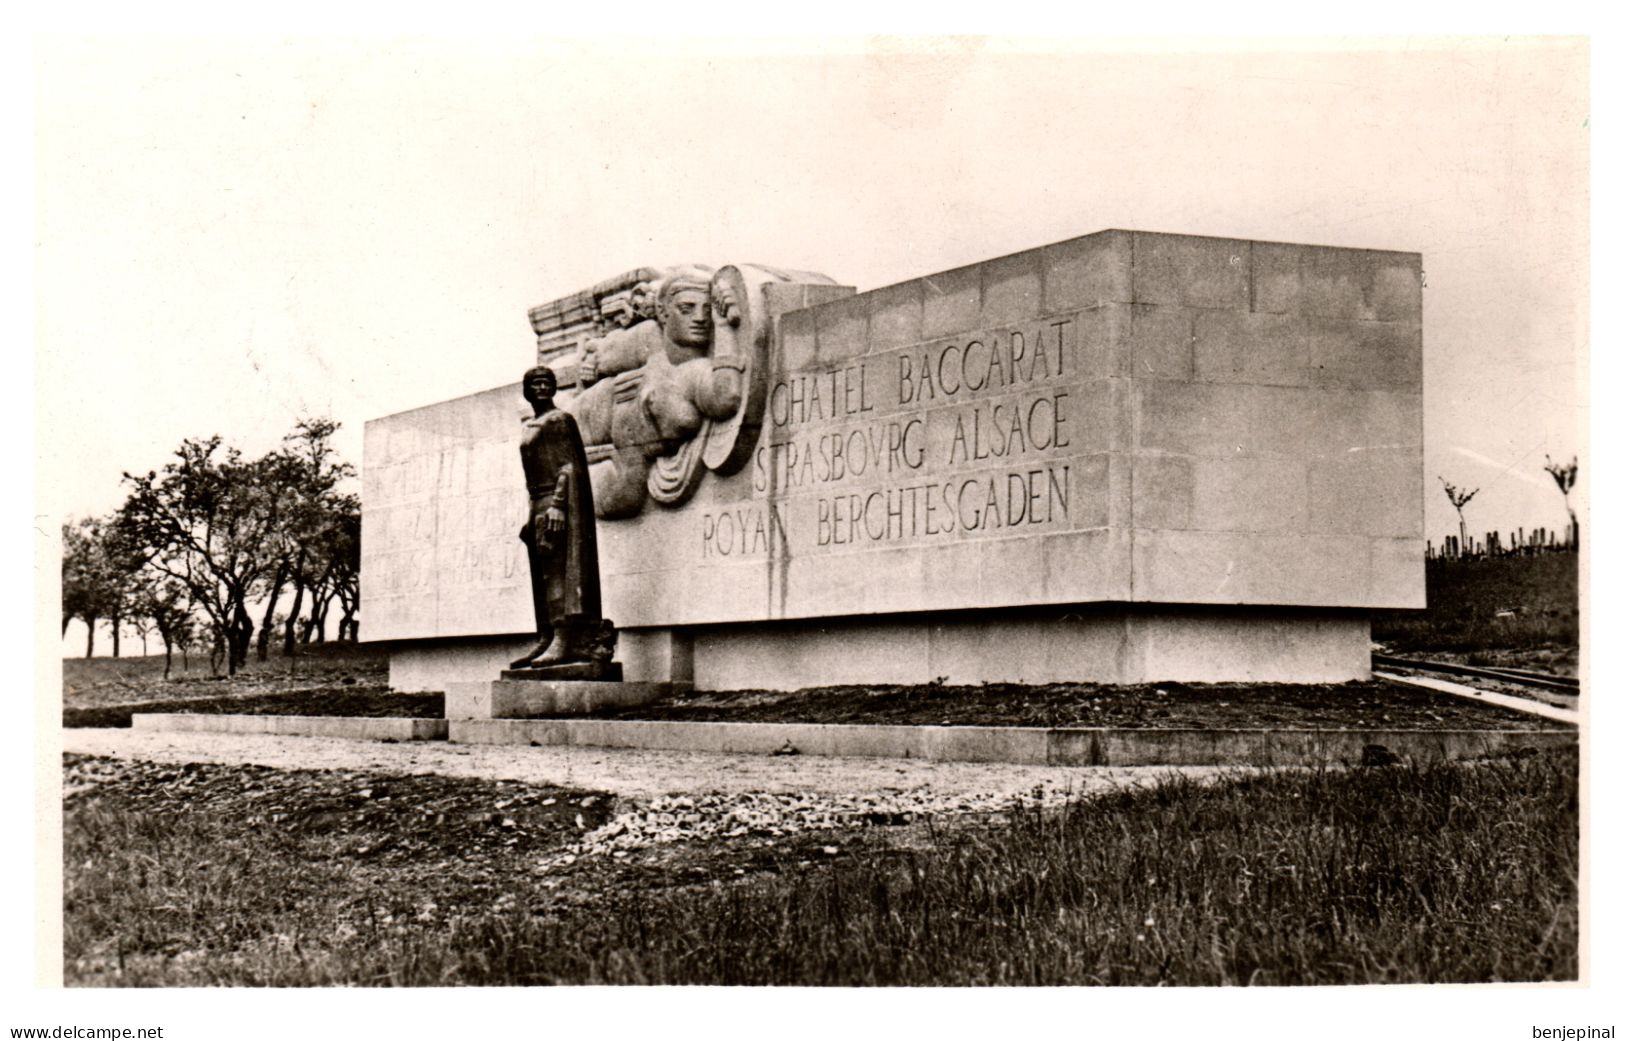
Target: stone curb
column 1027, row 745
column 1036, row 746
column 1490, row 697
column 354, row 728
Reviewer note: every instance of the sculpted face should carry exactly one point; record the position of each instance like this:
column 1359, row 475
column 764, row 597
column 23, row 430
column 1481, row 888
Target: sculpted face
column 540, row 385
column 688, row 317
column 643, row 300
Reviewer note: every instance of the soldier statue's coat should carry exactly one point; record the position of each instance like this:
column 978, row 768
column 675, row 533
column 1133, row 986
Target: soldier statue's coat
column 555, row 463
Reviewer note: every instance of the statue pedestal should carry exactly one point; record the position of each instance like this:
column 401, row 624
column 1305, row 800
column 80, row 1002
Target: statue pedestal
column 512, row 697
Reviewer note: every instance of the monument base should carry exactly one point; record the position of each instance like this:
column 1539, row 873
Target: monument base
column 529, row 699
column 1092, row 643
column 602, row 671
column 644, row 655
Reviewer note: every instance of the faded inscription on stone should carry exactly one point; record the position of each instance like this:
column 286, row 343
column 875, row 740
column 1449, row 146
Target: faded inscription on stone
column 965, row 437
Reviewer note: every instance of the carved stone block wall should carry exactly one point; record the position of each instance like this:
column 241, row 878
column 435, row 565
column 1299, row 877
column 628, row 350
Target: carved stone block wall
column 1124, row 417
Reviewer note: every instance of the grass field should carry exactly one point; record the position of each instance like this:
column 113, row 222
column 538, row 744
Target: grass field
column 340, row 701
column 218, row 875
column 1429, row 874
column 93, row 682
column 1491, row 604
column 336, row 678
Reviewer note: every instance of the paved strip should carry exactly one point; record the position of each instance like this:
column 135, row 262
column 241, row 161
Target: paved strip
column 1037, row 746
column 360, row 728
column 636, row 774
column 1562, row 684
column 1534, row 708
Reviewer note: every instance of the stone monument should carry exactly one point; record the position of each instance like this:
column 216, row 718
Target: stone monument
column 1123, row 457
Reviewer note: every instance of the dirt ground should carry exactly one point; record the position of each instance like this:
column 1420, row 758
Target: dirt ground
column 1374, row 704
column 557, row 831
column 624, row 772
column 338, row 680
column 589, row 825
column 1559, row 661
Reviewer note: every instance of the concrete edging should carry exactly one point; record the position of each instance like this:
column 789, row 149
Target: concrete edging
column 355, row 728
column 1488, row 697
column 1028, row 745
column 1035, row 746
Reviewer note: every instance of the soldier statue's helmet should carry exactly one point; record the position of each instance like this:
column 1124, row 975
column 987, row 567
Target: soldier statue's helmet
column 535, row 371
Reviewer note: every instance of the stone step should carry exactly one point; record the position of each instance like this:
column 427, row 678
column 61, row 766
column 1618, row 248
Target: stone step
column 521, row 699
column 354, row 728
column 1070, row 746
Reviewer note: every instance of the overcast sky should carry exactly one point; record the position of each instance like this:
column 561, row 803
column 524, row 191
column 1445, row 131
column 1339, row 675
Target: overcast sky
column 232, row 234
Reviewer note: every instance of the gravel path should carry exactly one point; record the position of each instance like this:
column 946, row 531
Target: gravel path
column 664, row 798
column 636, row 775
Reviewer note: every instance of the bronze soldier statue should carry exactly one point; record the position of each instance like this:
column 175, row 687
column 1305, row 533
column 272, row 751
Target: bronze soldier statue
column 559, row 535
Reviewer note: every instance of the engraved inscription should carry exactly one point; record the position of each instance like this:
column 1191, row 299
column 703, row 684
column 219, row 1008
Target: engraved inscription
column 1000, row 429
column 746, row 531
column 981, row 503
column 811, row 397
column 967, row 437
column 882, row 448
column 991, row 361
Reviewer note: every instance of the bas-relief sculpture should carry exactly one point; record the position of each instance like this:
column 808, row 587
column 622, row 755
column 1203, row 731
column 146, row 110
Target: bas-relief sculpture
column 674, row 386
column 559, row 535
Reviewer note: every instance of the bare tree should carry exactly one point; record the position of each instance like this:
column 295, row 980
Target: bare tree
column 1458, row 498
column 216, row 533
column 344, row 550
column 81, row 578
column 208, row 521
column 160, row 604
column 184, row 637
column 99, row 568
column 333, row 568
column 315, row 525
column 1565, row 476
column 283, row 471
column 141, row 624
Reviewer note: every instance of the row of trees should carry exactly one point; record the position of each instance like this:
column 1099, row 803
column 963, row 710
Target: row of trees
column 1563, row 475
column 213, row 540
